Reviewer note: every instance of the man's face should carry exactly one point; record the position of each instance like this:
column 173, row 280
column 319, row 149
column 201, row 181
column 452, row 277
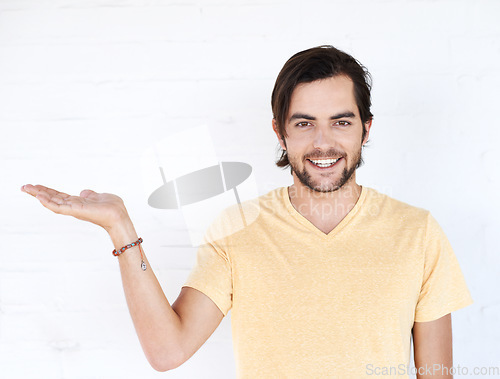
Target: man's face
column 324, row 133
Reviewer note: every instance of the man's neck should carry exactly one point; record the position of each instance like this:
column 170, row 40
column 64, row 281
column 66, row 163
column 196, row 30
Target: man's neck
column 325, row 210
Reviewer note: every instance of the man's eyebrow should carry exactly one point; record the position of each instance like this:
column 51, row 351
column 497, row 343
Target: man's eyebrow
column 304, row 116
column 347, row 114
column 297, row 116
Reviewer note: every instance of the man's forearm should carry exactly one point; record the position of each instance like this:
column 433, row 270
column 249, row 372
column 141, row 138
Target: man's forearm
column 156, row 323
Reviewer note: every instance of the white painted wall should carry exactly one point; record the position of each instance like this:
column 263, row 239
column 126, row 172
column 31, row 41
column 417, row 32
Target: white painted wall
column 87, row 85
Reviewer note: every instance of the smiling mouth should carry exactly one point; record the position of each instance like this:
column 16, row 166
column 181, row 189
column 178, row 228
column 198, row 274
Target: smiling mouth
column 324, row 163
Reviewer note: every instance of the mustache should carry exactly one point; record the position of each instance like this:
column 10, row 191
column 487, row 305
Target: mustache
column 328, row 154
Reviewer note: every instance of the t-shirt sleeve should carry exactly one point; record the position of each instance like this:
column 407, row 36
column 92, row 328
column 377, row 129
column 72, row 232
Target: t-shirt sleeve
column 211, row 273
column 443, row 285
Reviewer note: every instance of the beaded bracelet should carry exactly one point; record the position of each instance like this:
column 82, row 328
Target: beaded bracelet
column 136, row 243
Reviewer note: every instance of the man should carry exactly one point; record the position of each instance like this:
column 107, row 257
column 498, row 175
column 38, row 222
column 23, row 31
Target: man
column 330, row 279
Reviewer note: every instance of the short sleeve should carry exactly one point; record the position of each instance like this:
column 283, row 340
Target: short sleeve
column 443, row 285
column 212, row 273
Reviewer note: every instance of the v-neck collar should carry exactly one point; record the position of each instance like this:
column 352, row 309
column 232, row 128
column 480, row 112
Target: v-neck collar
column 310, row 226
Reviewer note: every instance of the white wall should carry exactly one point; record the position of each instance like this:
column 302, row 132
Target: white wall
column 87, row 85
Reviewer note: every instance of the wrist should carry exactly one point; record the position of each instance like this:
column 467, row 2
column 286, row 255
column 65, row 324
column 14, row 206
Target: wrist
column 122, row 233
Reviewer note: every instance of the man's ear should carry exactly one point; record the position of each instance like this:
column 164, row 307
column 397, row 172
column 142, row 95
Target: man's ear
column 367, row 125
column 280, row 139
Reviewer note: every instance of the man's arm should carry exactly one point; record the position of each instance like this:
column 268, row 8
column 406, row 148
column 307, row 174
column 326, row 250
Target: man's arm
column 169, row 335
column 432, row 346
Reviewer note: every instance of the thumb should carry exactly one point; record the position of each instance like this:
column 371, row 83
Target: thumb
column 87, row 193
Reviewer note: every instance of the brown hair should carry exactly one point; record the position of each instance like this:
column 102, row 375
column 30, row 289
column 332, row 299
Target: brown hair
column 319, row 62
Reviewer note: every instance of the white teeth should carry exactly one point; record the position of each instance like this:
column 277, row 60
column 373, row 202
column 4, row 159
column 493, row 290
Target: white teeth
column 324, row 162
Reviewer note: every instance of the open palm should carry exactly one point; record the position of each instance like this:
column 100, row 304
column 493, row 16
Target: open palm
column 102, row 209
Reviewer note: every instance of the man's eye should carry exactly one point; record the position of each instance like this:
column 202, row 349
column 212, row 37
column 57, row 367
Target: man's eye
column 343, row 123
column 303, row 124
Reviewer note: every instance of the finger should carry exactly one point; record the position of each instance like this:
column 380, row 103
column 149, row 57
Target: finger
column 26, row 189
column 49, row 192
column 87, row 193
column 55, row 204
column 53, row 192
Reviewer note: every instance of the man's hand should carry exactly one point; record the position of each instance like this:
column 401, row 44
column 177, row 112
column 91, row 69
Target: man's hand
column 103, row 209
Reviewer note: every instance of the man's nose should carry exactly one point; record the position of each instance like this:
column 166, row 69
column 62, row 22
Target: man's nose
column 323, row 138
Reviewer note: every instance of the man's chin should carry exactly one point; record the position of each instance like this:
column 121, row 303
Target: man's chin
column 320, row 187
column 325, row 186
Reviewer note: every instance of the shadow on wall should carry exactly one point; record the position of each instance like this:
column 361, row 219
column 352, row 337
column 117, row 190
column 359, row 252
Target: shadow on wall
column 196, row 183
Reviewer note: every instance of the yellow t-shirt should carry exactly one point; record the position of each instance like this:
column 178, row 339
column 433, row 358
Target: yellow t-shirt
column 337, row 305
